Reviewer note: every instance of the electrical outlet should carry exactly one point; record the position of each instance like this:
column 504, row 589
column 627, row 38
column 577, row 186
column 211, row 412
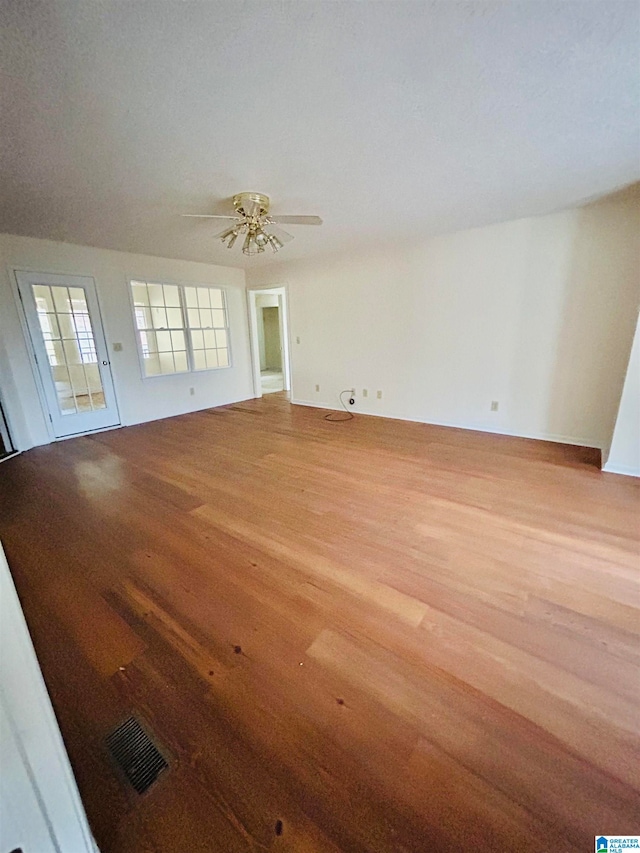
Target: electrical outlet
column 365, row 393
column 379, row 395
column 494, row 405
column 297, row 339
column 117, row 347
column 192, row 391
column 317, row 388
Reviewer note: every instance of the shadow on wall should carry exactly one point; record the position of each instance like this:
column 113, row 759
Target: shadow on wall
column 603, row 281
column 575, row 331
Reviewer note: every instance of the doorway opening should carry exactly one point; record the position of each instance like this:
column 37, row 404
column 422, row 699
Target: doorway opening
column 270, row 340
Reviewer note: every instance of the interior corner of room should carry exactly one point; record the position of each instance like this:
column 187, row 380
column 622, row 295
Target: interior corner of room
column 515, row 328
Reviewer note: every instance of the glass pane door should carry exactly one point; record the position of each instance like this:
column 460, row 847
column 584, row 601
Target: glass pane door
column 71, row 355
column 71, row 348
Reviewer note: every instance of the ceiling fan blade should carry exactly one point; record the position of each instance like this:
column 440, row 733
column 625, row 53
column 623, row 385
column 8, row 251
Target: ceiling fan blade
column 206, row 216
column 241, row 229
column 297, row 220
column 280, row 233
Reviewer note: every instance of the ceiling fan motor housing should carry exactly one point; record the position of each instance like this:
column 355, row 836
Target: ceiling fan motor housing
column 251, row 204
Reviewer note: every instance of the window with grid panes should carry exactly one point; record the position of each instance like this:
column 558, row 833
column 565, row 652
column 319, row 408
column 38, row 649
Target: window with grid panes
column 180, row 327
column 206, row 318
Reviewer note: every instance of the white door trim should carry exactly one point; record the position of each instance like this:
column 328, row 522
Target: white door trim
column 57, row 427
column 281, row 291
column 32, row 721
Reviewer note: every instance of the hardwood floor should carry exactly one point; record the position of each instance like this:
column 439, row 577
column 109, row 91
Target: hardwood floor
column 363, row 636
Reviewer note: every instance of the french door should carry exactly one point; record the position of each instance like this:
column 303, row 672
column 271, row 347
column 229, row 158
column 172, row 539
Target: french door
column 63, row 318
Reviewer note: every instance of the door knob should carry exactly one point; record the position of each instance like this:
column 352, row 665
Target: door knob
column 105, row 363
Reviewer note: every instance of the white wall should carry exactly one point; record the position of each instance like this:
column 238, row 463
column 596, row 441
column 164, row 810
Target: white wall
column 535, row 314
column 138, row 399
column 624, row 454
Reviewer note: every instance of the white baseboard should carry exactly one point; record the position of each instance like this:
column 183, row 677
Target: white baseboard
column 621, row 469
column 575, row 441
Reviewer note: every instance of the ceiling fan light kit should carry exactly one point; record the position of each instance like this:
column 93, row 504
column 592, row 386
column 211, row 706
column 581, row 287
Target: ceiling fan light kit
column 254, row 221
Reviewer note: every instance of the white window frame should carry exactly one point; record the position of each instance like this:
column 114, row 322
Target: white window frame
column 181, row 285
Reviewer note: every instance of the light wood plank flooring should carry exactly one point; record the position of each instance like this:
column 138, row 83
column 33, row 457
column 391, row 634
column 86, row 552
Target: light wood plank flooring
column 363, row 636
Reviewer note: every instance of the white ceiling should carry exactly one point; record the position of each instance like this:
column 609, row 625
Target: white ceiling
column 382, row 117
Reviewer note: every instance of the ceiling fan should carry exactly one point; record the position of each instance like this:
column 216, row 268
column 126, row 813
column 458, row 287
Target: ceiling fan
column 253, row 220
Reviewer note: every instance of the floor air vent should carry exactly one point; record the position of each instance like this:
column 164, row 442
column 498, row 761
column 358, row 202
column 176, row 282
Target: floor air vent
column 136, row 754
